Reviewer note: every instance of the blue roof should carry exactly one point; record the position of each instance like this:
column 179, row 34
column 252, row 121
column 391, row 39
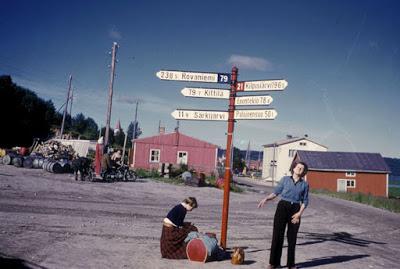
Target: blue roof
column 394, row 165
column 343, row 161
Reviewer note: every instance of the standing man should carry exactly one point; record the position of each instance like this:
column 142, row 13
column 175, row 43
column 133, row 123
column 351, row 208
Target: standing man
column 294, row 200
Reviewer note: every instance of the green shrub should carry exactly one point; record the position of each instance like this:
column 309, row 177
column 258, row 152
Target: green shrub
column 390, row 204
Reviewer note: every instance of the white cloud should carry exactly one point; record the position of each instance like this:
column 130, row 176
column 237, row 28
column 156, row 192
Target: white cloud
column 248, row 62
column 114, row 33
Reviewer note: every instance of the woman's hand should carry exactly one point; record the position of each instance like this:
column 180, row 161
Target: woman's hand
column 262, row 202
column 296, row 218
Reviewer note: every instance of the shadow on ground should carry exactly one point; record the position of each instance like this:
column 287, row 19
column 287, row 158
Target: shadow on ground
column 15, row 263
column 340, row 237
column 329, row 260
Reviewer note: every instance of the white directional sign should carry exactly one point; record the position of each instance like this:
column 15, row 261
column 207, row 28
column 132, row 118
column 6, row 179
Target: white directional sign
column 200, row 115
column 261, row 114
column 262, row 85
column 206, row 93
column 258, row 114
column 194, row 76
column 253, row 100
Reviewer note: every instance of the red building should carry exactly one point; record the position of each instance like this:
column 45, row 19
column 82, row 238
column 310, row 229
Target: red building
column 174, row 148
column 346, row 171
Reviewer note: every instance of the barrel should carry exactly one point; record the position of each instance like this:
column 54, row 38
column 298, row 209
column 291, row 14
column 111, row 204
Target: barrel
column 56, row 167
column 28, row 162
column 45, row 163
column 37, row 162
column 17, row 161
column 7, row 159
column 52, row 166
column 202, row 248
column 41, row 161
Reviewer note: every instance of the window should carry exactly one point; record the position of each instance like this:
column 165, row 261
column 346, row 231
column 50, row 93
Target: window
column 303, row 144
column 154, row 155
column 351, row 183
column 182, row 157
column 350, row 174
column 292, row 152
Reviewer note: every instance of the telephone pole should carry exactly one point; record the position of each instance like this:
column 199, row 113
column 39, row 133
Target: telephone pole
column 66, row 106
column 133, row 134
column 110, row 92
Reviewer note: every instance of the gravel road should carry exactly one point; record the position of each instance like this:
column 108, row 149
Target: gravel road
column 53, row 221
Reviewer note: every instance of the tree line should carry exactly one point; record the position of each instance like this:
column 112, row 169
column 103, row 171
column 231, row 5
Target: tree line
column 26, row 116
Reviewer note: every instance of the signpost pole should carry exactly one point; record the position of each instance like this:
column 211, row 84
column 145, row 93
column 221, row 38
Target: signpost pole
column 228, row 172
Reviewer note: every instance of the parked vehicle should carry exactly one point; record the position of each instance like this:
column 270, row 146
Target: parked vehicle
column 121, row 173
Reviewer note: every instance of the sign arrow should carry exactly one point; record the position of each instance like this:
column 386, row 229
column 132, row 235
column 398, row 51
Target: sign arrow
column 209, row 115
column 253, row 100
column 181, row 114
column 262, row 85
column 205, row 93
column 194, row 76
column 260, row 114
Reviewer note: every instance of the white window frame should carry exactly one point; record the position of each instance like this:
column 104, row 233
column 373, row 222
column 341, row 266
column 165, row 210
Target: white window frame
column 350, row 180
column 351, row 174
column 151, row 155
column 178, row 159
column 292, row 152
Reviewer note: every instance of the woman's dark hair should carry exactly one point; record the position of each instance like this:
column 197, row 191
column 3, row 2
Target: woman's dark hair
column 191, row 201
column 302, row 163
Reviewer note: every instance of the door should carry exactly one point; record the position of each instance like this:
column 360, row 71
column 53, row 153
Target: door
column 341, row 185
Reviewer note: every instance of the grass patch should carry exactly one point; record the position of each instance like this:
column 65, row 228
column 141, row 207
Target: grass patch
column 390, row 204
column 394, row 192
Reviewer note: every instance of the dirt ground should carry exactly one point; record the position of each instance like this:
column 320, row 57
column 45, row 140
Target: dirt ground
column 53, row 221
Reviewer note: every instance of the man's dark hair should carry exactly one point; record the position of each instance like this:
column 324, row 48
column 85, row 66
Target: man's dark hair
column 302, row 163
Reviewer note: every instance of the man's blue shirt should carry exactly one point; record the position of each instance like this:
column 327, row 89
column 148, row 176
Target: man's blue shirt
column 291, row 192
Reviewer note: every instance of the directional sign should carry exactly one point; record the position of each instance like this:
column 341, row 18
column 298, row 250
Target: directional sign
column 194, row 76
column 200, row 115
column 251, row 100
column 262, row 114
column 262, row 85
column 206, row 93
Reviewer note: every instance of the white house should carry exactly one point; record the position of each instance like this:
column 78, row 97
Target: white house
column 279, row 155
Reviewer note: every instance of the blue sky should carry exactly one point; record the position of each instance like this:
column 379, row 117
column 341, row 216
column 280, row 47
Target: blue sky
column 341, row 59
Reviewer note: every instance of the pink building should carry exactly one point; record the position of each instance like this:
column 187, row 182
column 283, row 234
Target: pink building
column 174, row 148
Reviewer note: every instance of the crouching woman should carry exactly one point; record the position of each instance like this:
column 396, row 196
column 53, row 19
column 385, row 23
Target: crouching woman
column 175, row 230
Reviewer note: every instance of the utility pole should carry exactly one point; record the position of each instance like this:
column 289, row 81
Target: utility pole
column 133, row 133
column 110, row 92
column 66, row 106
column 72, row 99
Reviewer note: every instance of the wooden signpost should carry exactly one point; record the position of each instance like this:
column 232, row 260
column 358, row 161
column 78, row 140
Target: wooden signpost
column 230, row 116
